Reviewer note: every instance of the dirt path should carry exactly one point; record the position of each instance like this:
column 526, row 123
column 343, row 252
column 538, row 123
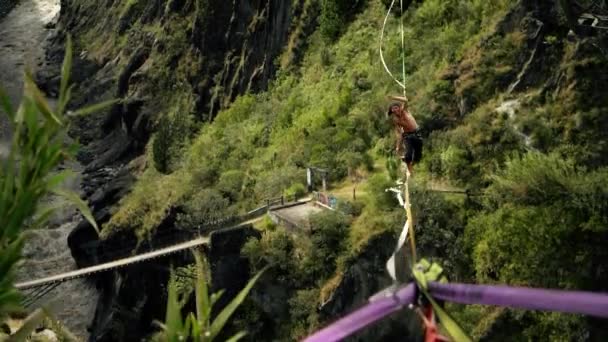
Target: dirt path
column 22, row 34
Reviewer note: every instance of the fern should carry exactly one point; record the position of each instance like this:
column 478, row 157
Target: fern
column 199, row 326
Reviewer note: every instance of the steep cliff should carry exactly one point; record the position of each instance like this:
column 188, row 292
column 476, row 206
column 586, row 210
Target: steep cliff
column 165, row 56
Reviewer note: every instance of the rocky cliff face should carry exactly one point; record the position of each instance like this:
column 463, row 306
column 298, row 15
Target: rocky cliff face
column 161, row 57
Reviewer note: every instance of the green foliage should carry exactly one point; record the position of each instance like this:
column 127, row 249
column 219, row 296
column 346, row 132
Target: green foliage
column 199, row 326
column 335, row 14
column 149, row 202
column 28, row 174
column 231, row 183
column 379, row 198
column 277, row 249
column 303, row 316
column 204, row 206
column 169, row 140
column 353, row 208
column 439, row 230
column 328, row 240
column 297, row 189
column 454, row 162
column 543, row 227
column 268, row 224
column 476, row 148
column 160, row 147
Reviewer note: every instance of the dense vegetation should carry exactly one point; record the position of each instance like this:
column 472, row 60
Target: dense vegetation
column 533, row 146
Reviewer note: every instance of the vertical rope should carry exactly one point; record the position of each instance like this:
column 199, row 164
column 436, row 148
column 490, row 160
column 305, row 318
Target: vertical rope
column 410, row 218
column 408, row 205
column 388, row 13
column 402, row 47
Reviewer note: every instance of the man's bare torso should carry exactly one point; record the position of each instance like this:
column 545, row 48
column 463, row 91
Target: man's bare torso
column 405, row 121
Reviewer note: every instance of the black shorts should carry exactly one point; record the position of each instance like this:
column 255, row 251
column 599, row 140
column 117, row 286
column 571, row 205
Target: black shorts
column 413, row 147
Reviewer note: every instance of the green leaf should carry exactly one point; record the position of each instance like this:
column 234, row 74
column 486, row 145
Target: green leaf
column 79, row 203
column 194, row 327
column 237, row 336
column 58, row 178
column 5, row 104
column 43, row 213
column 223, row 317
column 450, row 325
column 7, row 188
column 65, row 334
column 65, row 75
column 216, row 296
column 62, row 105
column 32, row 322
column 36, row 95
column 173, row 319
column 94, row 108
column 10, row 254
column 203, row 304
column 187, row 327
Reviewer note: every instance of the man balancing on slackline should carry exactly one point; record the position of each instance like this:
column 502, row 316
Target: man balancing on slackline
column 406, row 129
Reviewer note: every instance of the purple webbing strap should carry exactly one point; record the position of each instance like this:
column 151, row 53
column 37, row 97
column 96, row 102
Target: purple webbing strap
column 593, row 304
column 365, row 316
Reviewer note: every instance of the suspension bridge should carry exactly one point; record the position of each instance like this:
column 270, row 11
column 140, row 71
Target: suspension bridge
column 173, row 242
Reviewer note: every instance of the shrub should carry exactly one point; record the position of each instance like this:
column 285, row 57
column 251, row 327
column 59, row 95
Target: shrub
column 231, row 183
column 161, row 147
column 379, row 198
column 455, row 163
column 533, row 178
column 353, row 208
column 327, row 243
column 276, row 249
column 272, row 183
column 335, row 14
column 297, row 189
column 304, row 317
column 206, row 205
column 171, row 135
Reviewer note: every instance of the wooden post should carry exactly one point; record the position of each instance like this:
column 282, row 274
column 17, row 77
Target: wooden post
column 324, row 183
column 309, row 179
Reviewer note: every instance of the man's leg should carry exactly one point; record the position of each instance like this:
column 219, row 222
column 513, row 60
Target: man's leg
column 409, row 155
